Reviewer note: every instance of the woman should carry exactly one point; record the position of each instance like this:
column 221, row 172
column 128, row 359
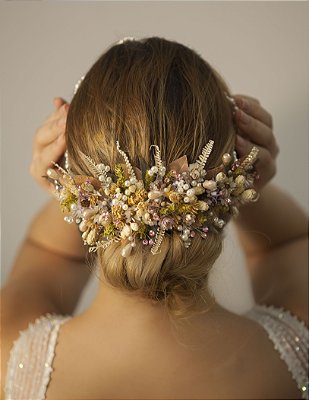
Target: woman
column 154, row 330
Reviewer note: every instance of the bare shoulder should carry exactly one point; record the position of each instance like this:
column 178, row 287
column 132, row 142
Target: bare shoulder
column 233, row 349
column 280, row 277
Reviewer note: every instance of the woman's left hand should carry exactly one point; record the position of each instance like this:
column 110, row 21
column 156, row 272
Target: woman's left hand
column 49, row 143
column 255, row 126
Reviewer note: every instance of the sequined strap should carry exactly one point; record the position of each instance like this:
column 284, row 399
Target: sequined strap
column 31, row 357
column 290, row 337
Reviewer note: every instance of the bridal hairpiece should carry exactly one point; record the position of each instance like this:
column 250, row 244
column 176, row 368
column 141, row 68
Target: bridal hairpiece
column 110, row 206
column 127, row 205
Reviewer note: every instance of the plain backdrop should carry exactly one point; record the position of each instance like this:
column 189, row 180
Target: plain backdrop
column 260, row 48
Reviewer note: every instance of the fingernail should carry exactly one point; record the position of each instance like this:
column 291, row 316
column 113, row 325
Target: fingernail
column 244, row 118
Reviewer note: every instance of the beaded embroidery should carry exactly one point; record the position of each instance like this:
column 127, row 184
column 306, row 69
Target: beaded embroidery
column 290, row 337
column 31, row 359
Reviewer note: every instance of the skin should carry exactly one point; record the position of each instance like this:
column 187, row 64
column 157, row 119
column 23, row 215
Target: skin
column 203, row 359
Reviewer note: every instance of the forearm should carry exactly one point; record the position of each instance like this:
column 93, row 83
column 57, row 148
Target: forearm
column 274, row 219
column 51, row 263
column 49, row 230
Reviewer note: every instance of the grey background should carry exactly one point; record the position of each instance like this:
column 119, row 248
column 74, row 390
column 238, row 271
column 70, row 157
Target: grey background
column 260, row 48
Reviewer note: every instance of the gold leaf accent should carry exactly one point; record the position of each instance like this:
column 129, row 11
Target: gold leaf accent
column 205, row 154
column 127, row 161
column 157, row 157
column 250, row 158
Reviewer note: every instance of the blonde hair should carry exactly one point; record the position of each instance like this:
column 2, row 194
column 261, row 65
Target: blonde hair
column 143, row 92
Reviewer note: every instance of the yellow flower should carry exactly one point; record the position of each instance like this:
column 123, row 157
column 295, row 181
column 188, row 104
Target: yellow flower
column 117, row 212
column 137, row 197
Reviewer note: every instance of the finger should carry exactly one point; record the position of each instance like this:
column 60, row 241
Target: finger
column 265, row 165
column 49, row 132
column 257, row 131
column 58, row 102
column 245, row 96
column 252, row 106
column 42, row 160
column 63, row 109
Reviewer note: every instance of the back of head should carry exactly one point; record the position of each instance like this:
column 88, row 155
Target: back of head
column 144, row 92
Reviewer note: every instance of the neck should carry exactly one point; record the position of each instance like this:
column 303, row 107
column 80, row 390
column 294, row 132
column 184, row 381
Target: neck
column 114, row 307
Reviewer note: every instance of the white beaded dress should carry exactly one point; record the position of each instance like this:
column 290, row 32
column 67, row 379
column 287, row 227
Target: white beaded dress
column 31, row 357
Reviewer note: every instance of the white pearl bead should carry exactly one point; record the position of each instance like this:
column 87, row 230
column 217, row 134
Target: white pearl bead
column 125, row 207
column 52, row 173
column 134, row 226
column 190, row 192
column 126, row 251
column 127, row 183
column 220, row 177
column 186, row 186
column 226, row 158
column 69, row 219
column 83, row 226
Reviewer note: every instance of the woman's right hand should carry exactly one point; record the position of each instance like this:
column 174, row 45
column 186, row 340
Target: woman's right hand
column 49, row 143
column 255, row 128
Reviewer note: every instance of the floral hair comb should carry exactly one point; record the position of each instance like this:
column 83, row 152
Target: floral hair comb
column 122, row 205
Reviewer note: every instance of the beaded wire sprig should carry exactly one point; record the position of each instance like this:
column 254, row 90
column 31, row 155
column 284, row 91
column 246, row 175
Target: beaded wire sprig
column 122, row 205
